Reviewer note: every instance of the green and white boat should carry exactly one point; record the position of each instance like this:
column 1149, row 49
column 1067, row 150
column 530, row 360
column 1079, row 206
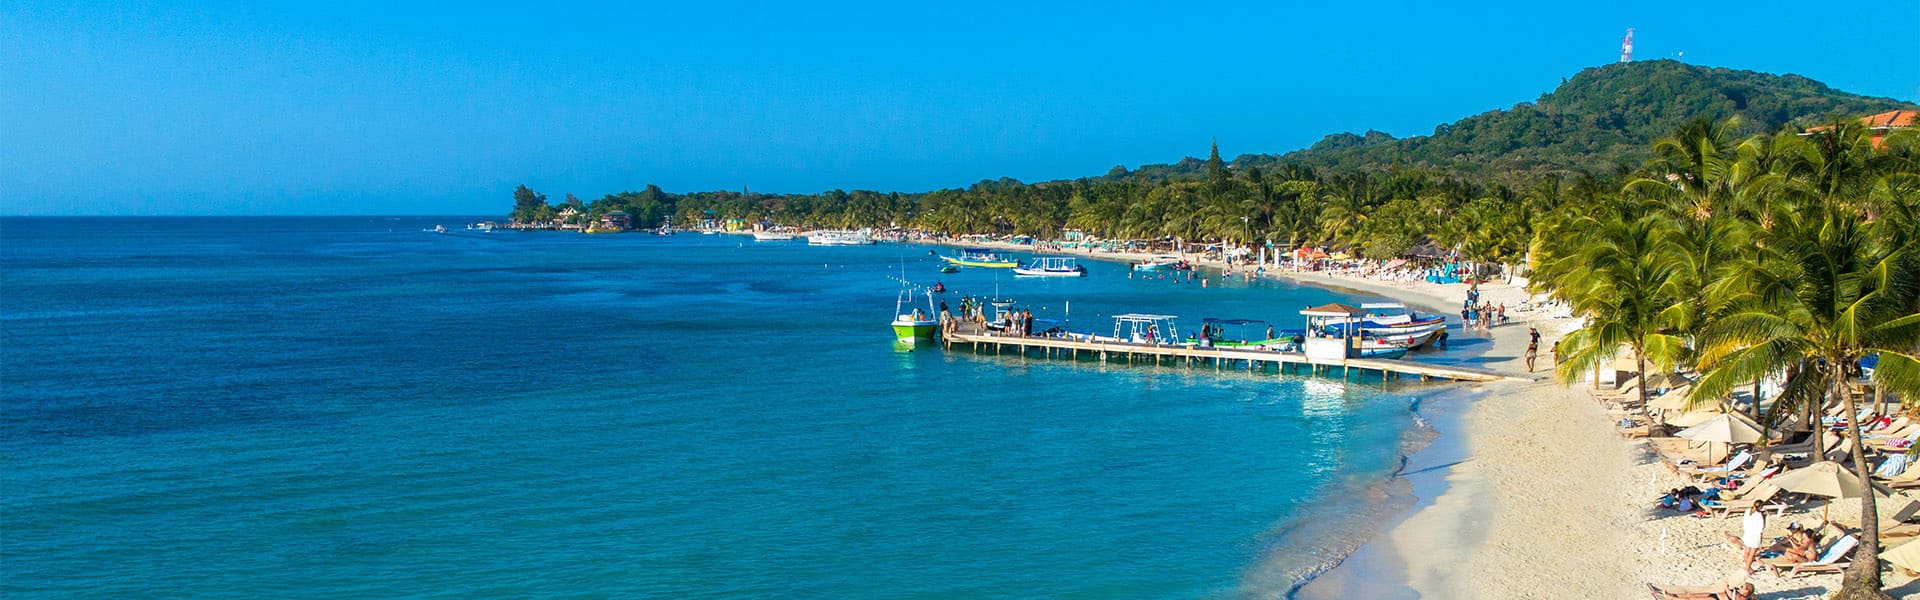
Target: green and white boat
column 912, row 324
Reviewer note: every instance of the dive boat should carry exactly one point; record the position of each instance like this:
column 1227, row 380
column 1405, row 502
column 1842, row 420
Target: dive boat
column 1050, row 266
column 838, row 238
column 981, row 257
column 772, row 236
column 1393, row 322
column 911, row 324
column 1162, row 263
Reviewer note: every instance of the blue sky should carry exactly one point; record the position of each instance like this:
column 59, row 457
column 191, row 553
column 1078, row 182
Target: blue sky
column 368, row 108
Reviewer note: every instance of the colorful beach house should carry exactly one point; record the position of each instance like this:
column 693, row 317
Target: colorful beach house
column 1880, row 125
column 617, row 220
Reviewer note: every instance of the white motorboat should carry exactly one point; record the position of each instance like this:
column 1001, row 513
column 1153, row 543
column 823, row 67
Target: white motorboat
column 1050, row 266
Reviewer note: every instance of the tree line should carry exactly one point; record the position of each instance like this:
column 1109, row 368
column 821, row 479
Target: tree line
column 1782, row 255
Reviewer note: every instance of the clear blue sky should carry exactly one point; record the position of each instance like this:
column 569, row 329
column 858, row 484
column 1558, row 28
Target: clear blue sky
column 203, row 107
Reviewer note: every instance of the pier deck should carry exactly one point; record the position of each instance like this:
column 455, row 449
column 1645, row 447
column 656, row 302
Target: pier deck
column 1222, row 358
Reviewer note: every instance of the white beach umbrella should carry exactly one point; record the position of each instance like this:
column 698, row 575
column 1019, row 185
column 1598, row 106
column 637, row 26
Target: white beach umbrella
column 1702, row 415
column 1907, row 556
column 1825, row 478
column 1674, row 399
column 1725, row 428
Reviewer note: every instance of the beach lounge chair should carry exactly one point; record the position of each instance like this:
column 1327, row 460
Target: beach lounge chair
column 1759, row 496
column 1831, row 561
column 1734, row 463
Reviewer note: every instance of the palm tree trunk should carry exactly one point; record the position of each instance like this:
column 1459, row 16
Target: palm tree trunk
column 1862, row 578
column 1753, row 410
column 1640, row 356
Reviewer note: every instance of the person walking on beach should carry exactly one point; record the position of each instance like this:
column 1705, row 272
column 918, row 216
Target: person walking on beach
column 1533, row 350
column 1752, row 527
column 1533, row 333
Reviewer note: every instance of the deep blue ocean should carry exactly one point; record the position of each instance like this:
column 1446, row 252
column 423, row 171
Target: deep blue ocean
column 351, row 407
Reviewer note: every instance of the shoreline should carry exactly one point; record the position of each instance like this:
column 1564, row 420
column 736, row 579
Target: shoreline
column 1546, row 497
column 1389, row 560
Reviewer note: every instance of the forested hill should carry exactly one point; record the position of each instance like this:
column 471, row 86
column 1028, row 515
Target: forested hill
column 1602, row 117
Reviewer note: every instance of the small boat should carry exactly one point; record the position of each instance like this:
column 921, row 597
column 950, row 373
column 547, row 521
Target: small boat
column 435, row 229
column 911, row 325
column 838, row 238
column 1162, row 263
column 949, row 269
column 772, row 236
column 981, row 257
column 1392, row 321
column 1050, row 266
column 1378, row 348
column 1214, row 335
column 481, row 227
column 939, row 288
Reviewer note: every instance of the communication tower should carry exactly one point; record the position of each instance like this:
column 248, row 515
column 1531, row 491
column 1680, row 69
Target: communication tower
column 1626, row 46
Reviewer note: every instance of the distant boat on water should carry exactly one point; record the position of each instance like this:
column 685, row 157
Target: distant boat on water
column 435, row 229
column 772, row 236
column 838, row 238
column 981, row 257
column 1050, row 266
column 1162, row 263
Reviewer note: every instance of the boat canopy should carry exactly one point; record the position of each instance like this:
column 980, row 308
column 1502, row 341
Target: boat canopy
column 1334, row 310
column 1231, row 321
column 1382, row 305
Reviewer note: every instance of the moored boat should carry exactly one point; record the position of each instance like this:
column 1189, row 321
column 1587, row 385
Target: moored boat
column 1393, row 322
column 911, row 324
column 1050, row 266
column 981, row 257
column 838, row 238
column 772, row 236
column 1162, row 263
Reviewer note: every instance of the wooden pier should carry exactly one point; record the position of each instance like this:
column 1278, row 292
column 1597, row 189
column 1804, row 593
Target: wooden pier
column 1246, row 359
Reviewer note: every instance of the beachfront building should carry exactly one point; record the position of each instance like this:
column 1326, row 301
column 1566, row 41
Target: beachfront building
column 617, row 221
column 1884, row 123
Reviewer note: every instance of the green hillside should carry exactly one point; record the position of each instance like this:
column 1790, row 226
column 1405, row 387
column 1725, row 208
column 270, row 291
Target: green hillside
column 1602, row 117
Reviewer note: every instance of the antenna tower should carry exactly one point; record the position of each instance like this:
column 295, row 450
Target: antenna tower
column 1626, row 46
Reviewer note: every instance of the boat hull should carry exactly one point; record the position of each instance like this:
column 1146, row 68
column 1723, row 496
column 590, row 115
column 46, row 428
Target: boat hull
column 1025, row 272
column 912, row 332
column 987, row 264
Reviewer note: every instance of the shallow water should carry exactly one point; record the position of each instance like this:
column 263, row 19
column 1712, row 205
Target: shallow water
column 349, row 406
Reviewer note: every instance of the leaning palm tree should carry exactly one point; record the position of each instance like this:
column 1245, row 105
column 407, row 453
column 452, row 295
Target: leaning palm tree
column 1625, row 280
column 1837, row 287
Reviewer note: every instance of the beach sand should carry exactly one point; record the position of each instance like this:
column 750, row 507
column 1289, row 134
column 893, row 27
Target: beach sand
column 1551, row 503
column 1547, row 501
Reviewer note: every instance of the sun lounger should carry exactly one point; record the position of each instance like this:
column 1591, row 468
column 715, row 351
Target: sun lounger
column 1758, row 496
column 1734, row 463
column 1831, row 561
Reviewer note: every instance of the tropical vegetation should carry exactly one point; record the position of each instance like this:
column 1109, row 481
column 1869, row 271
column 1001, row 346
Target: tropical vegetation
column 1697, row 218
column 1786, row 255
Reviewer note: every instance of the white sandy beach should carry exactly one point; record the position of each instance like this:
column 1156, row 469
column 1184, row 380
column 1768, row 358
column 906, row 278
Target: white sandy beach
column 1551, row 503
column 1554, row 504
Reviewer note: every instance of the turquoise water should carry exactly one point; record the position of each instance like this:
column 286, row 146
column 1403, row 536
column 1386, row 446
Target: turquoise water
column 352, row 407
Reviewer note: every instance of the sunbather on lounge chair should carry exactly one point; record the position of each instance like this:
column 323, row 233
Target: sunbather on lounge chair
column 1831, row 561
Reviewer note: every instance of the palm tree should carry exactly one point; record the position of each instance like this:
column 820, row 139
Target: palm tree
column 1624, row 281
column 1837, row 286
